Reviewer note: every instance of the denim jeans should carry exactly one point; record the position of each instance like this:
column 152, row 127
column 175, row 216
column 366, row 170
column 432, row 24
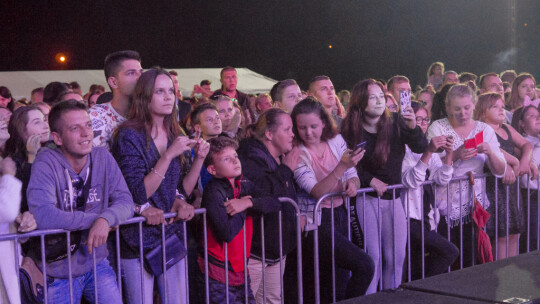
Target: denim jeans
column 218, row 291
column 131, row 278
column 107, row 288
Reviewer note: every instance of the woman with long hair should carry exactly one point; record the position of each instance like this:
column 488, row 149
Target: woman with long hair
column 456, row 210
column 326, row 166
column 149, row 149
column 28, row 131
column 385, row 136
column 523, row 88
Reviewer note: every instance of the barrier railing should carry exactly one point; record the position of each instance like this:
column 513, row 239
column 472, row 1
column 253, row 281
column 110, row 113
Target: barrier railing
column 525, row 205
column 528, row 205
column 139, row 221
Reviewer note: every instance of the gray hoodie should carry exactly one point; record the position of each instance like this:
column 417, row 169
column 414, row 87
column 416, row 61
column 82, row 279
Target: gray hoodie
column 52, row 200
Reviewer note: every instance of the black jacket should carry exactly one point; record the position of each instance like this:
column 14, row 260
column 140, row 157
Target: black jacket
column 259, row 166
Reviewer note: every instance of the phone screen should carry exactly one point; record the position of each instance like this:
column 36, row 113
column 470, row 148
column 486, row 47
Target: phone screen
column 405, row 100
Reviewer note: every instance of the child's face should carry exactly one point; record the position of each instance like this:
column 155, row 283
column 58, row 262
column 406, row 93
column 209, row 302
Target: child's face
column 226, row 164
column 495, row 113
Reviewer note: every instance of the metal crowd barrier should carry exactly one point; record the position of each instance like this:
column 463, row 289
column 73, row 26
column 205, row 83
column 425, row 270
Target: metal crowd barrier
column 524, row 205
column 532, row 232
column 140, row 221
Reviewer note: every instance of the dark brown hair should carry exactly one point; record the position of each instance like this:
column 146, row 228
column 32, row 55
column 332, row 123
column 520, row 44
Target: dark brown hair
column 514, row 101
column 217, row 145
column 352, row 125
column 16, row 128
column 139, row 117
column 310, row 105
column 518, row 116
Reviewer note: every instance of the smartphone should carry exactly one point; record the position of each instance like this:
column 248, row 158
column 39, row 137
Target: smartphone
column 440, row 150
column 404, row 100
column 361, row 145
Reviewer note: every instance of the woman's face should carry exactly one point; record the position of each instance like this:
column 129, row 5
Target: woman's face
column 460, row 110
column 376, row 101
column 526, row 87
column 282, row 137
column 36, row 125
column 427, row 99
column 531, row 122
column 163, row 98
column 422, row 120
column 309, row 127
column 495, row 113
column 4, row 101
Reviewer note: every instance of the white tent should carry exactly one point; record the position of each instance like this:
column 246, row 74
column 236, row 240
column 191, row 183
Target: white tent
column 21, row 83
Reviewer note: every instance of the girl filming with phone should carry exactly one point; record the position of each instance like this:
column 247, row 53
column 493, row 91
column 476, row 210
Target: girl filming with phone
column 381, row 213
column 326, row 165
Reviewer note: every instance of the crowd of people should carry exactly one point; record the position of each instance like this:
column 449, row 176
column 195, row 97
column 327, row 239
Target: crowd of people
column 88, row 162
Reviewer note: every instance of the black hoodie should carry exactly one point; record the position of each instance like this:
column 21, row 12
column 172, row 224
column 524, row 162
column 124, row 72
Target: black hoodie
column 259, row 166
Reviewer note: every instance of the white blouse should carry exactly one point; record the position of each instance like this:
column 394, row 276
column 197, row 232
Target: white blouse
column 460, row 191
column 414, row 174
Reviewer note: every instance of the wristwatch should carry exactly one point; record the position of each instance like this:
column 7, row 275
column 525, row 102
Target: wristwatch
column 140, row 208
column 180, row 196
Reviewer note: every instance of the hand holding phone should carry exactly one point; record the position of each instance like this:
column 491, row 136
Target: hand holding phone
column 405, row 100
column 361, row 145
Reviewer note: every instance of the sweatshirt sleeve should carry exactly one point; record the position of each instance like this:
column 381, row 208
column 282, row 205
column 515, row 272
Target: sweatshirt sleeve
column 304, row 175
column 440, row 173
column 43, row 202
column 10, row 198
column 127, row 152
column 225, row 227
column 414, row 138
column 120, row 201
column 350, row 172
column 413, row 172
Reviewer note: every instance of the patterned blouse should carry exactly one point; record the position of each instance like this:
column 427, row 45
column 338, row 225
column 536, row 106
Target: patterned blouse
column 104, row 121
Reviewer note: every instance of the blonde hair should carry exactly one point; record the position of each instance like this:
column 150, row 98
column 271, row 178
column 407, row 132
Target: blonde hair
column 459, row 90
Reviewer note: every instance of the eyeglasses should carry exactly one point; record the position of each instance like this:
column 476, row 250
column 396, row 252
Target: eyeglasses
column 420, row 120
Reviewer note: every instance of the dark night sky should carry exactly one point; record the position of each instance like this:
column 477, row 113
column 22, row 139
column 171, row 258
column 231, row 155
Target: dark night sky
column 280, row 39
